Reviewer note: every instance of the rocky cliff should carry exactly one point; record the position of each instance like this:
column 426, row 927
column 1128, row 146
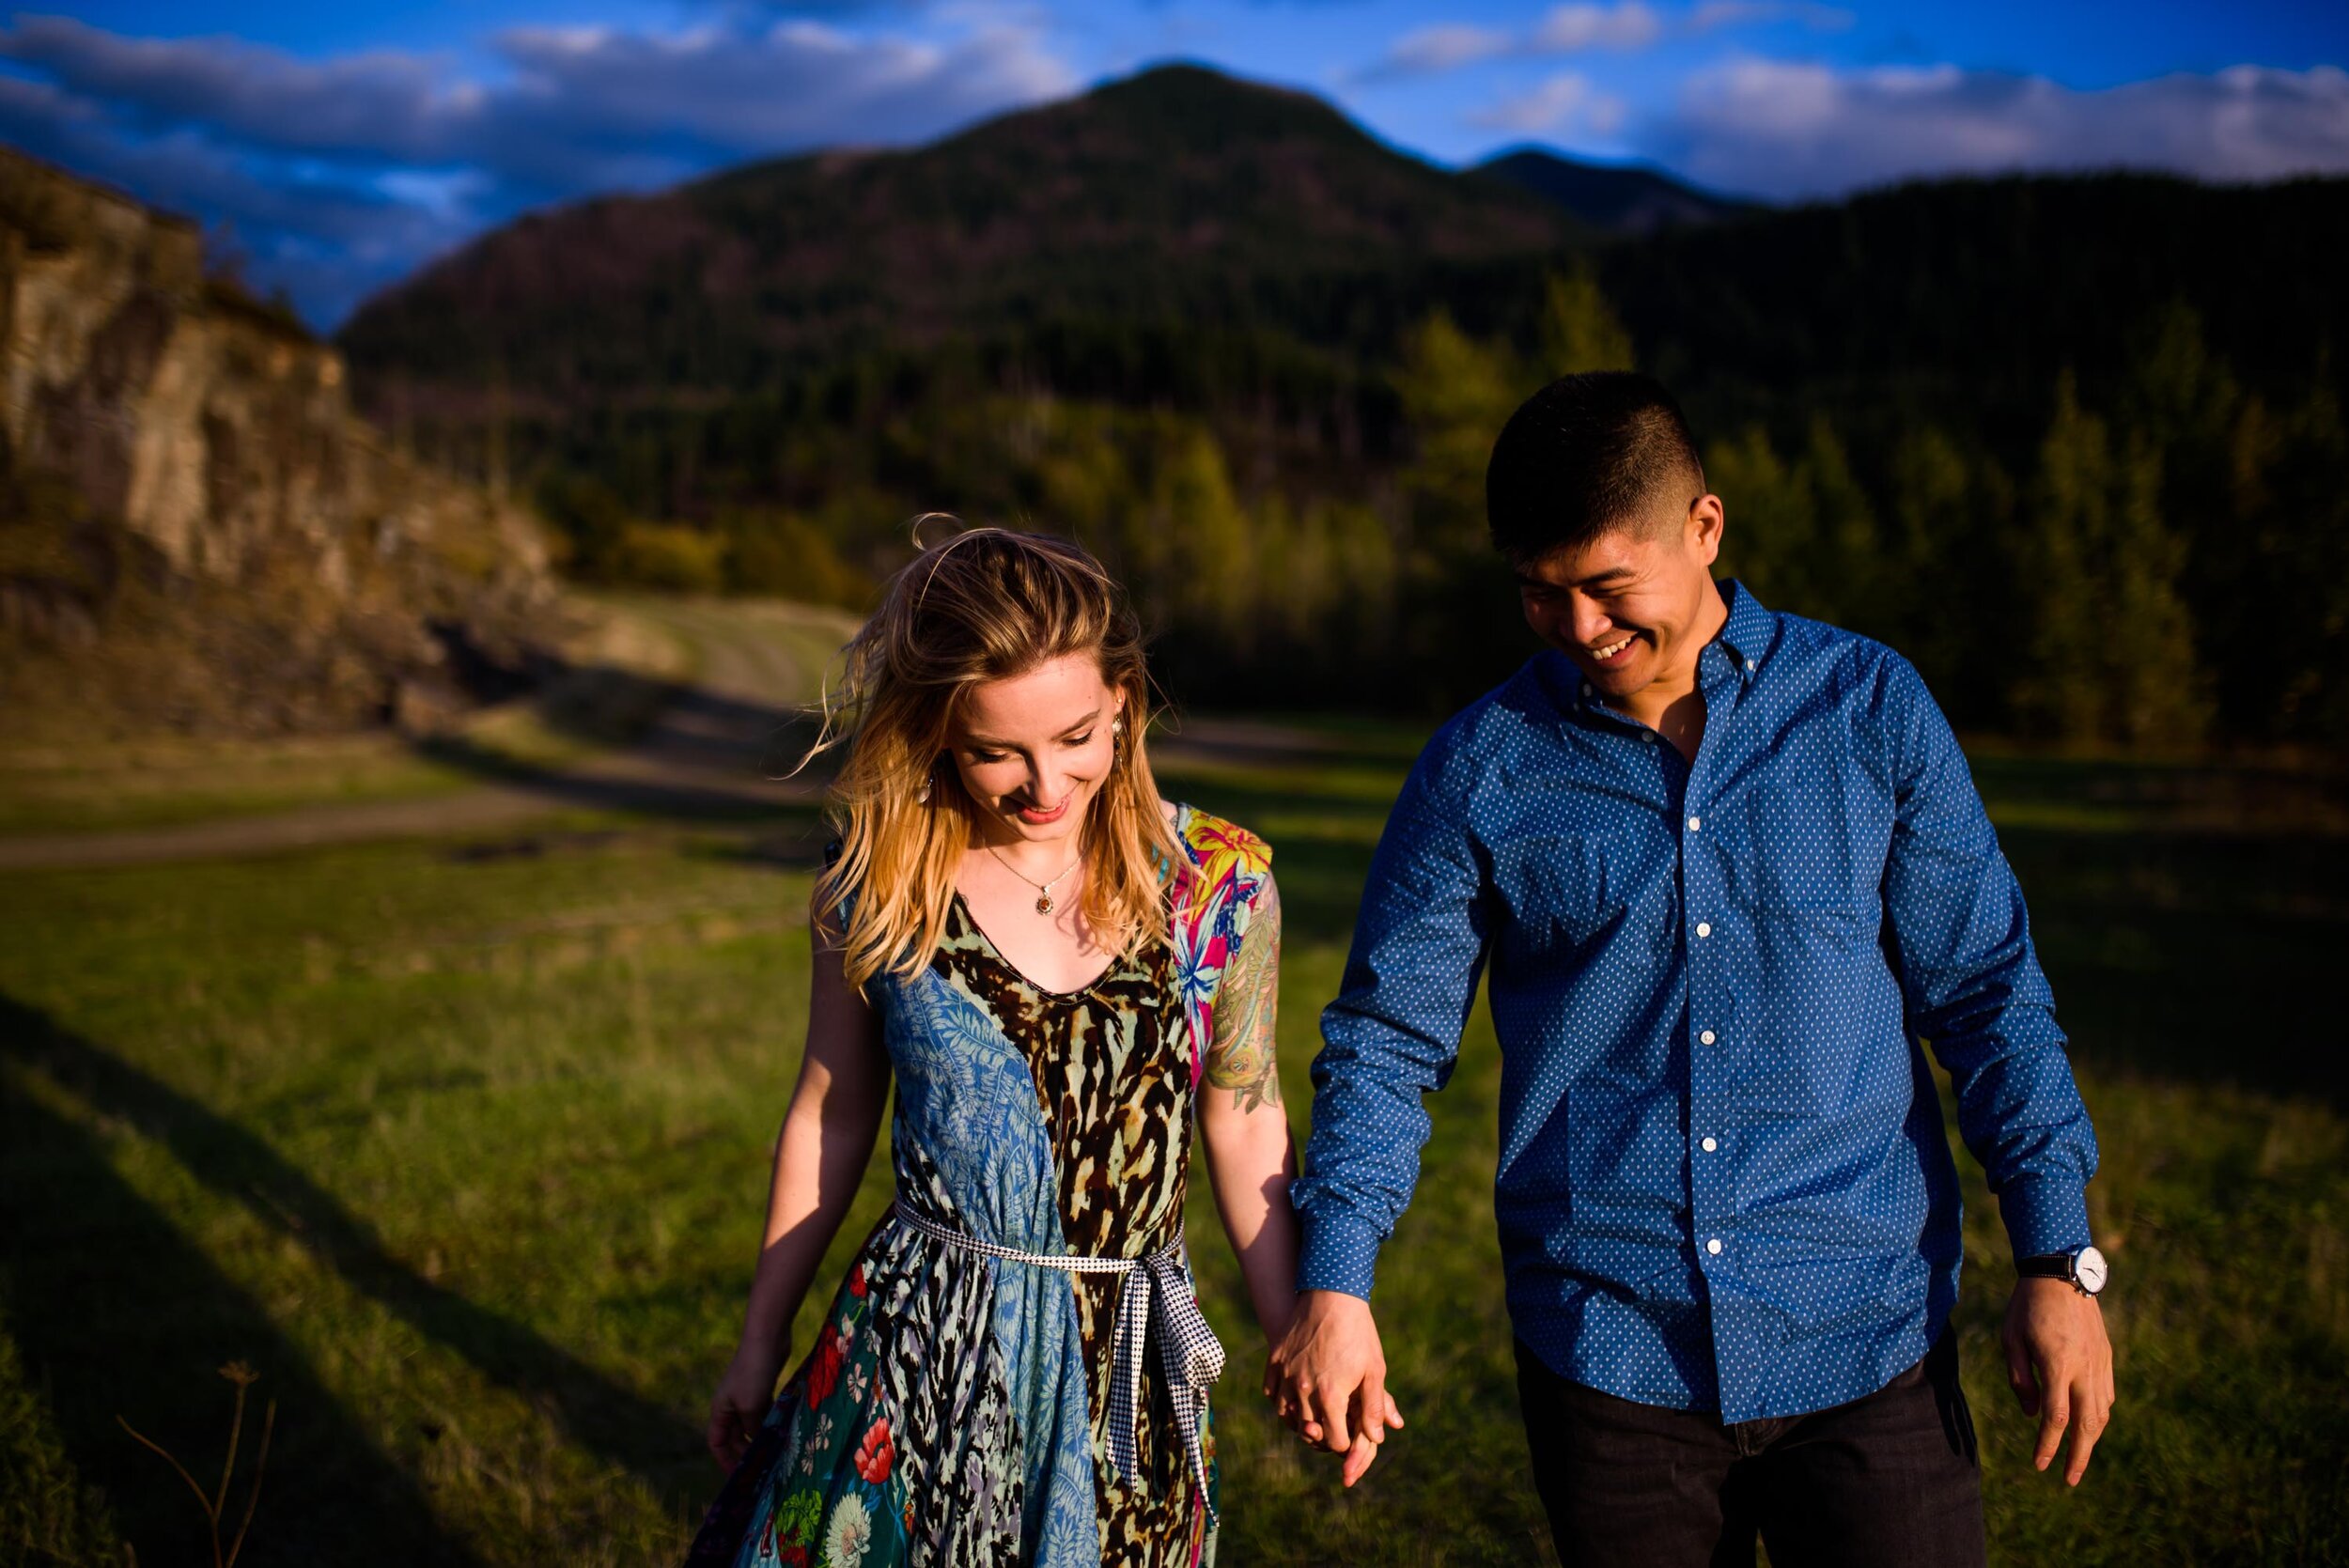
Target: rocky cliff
column 195, row 531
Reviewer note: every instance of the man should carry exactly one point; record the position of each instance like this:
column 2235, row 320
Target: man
column 1728, row 871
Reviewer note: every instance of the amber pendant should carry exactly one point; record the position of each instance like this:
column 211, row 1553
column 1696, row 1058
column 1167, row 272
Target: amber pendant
column 1044, row 904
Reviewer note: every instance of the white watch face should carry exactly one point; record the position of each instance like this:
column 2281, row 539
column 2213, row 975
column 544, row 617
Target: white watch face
column 2090, row 1266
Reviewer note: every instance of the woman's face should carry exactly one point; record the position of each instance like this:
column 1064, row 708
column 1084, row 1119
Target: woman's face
column 1033, row 751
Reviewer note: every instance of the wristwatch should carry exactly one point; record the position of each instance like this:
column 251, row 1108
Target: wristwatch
column 2084, row 1269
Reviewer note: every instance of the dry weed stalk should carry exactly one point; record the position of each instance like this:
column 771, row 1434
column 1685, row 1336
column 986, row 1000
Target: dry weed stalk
column 243, row 1378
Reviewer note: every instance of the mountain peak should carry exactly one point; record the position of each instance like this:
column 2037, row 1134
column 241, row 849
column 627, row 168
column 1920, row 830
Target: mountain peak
column 1192, row 86
column 1175, row 194
column 1195, row 108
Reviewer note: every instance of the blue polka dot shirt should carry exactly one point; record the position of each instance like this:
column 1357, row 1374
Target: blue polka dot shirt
column 1723, row 1183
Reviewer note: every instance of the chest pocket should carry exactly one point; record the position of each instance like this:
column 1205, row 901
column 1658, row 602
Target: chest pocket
column 1817, row 840
column 1563, row 893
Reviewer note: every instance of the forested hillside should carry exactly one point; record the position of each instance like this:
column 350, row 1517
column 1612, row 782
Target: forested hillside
column 1616, row 199
column 2072, row 444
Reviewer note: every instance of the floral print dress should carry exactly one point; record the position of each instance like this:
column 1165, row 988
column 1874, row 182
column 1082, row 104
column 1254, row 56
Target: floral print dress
column 954, row 1409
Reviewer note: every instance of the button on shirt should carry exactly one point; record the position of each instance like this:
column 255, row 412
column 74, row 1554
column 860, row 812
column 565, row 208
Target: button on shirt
column 1723, row 1182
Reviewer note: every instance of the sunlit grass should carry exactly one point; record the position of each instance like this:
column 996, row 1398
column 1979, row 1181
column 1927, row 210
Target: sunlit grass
column 59, row 788
column 465, row 1153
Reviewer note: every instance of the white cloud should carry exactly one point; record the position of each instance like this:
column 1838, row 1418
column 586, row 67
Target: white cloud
column 1564, row 103
column 390, row 156
column 1713, row 15
column 1569, row 29
column 584, row 107
column 1572, row 29
column 1431, row 50
column 1583, row 26
column 1789, row 129
column 202, row 180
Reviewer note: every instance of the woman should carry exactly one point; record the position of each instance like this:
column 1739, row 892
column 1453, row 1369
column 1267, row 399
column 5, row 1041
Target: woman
column 1061, row 971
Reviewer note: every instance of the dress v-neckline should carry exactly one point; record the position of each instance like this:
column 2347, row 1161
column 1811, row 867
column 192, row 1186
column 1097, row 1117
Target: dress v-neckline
column 1025, row 978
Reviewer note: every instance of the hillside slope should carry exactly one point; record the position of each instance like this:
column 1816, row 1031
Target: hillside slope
column 1611, row 198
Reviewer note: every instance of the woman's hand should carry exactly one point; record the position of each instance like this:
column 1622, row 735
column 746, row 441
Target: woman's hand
column 744, row 1396
column 827, row 1138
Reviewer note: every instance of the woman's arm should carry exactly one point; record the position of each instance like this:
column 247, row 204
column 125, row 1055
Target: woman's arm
column 826, row 1141
column 1241, row 1122
column 1251, row 1157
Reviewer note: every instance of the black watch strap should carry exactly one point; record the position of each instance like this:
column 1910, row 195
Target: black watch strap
column 2084, row 1268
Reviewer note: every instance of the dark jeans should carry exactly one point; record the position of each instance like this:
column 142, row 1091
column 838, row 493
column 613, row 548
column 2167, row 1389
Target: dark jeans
column 1887, row 1479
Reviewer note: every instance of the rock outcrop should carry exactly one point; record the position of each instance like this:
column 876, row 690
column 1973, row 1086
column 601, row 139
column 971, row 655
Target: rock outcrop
column 196, row 530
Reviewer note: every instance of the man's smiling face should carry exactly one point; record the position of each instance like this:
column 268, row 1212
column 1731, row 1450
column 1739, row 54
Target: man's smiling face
column 1629, row 608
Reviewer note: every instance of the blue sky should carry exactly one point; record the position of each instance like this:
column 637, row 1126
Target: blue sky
column 337, row 148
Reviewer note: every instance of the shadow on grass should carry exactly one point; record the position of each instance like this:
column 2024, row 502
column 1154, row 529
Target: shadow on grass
column 594, row 1413
column 2205, row 958
column 685, row 753
column 116, row 1313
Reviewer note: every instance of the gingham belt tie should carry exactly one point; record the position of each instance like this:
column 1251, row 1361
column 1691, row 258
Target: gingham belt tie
column 1188, row 1353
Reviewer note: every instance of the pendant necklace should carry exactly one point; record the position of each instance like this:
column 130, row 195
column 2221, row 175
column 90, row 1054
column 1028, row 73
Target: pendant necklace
column 1044, row 904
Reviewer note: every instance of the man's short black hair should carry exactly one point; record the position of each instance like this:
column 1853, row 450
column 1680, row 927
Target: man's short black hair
column 1586, row 454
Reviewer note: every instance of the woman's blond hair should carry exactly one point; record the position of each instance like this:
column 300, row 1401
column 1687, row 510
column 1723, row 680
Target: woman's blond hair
column 986, row 604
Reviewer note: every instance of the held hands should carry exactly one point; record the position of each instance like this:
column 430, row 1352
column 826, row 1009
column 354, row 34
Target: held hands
column 744, row 1396
column 2060, row 1364
column 1328, row 1378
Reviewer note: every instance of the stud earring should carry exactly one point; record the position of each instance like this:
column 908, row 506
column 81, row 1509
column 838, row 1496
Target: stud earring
column 922, row 795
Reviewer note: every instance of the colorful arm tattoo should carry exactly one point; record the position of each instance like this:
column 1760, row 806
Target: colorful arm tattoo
column 1244, row 1057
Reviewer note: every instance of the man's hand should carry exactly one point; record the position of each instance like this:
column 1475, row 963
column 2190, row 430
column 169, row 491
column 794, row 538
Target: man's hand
column 2060, row 1365
column 1328, row 1378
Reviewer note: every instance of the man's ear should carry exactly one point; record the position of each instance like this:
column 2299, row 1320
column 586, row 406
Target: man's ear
column 1707, row 519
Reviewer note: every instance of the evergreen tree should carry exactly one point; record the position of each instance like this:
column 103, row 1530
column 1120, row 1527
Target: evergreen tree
column 1206, row 573
column 2158, row 688
column 2287, row 677
column 1771, row 536
column 1847, row 573
column 1943, row 588
column 1579, row 330
column 2059, row 692
column 1460, row 624
column 2111, row 649
column 1457, row 393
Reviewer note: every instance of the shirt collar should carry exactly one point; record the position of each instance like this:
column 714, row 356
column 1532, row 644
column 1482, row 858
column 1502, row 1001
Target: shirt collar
column 1750, row 629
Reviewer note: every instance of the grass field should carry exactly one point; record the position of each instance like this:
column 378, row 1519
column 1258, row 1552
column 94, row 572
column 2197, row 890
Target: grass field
column 462, row 1146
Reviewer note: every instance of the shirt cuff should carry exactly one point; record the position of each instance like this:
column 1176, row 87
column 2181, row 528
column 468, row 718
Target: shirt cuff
column 1339, row 1252
column 2044, row 1216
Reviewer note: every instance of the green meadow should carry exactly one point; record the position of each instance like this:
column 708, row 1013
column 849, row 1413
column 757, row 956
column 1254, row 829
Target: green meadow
column 461, row 1144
